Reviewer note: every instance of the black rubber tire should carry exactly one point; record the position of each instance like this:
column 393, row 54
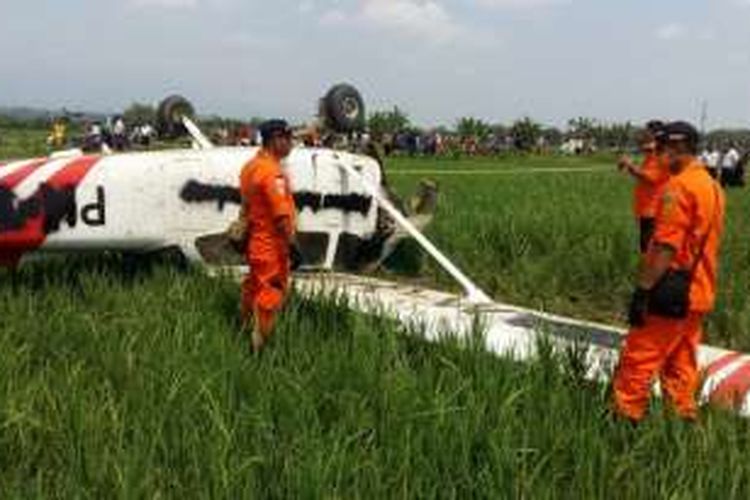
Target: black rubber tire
column 169, row 116
column 344, row 109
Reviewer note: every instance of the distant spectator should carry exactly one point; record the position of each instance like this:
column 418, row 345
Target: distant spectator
column 712, row 162
column 93, row 139
column 244, row 136
column 58, row 136
column 704, row 156
column 119, row 135
column 143, row 135
column 729, row 162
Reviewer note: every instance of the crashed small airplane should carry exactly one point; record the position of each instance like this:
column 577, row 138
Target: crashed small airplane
column 184, row 199
column 348, row 221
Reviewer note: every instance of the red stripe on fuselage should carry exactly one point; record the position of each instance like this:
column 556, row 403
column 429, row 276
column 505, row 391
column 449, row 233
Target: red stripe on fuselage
column 732, row 390
column 10, row 181
column 72, row 174
column 16, row 242
column 722, row 363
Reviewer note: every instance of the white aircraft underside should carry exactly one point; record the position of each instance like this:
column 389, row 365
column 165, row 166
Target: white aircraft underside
column 143, row 202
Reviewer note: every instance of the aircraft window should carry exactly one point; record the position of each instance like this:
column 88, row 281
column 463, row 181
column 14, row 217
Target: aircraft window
column 313, row 247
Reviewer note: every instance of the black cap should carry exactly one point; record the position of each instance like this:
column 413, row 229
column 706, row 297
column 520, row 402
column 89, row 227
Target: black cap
column 272, row 128
column 682, row 132
column 654, row 125
column 656, row 128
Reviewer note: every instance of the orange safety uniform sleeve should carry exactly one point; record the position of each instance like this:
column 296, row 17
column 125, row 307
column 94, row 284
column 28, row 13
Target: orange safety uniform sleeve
column 275, row 189
column 675, row 214
column 650, row 186
column 690, row 218
column 652, row 169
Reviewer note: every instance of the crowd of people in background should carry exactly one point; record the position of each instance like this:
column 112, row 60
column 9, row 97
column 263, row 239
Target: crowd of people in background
column 726, row 160
column 111, row 134
column 115, row 134
column 725, row 164
column 437, row 143
column 235, row 135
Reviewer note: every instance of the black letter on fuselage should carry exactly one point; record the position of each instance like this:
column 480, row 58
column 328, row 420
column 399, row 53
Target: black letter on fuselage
column 94, row 214
column 59, row 205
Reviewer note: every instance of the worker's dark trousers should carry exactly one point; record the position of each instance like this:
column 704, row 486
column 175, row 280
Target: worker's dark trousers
column 646, row 232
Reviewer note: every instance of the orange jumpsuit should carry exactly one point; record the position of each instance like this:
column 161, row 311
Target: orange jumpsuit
column 648, row 190
column 691, row 208
column 267, row 198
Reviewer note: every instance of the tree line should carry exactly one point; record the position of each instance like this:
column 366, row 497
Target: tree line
column 526, row 134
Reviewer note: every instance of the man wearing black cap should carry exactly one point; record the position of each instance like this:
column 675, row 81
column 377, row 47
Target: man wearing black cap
column 676, row 286
column 269, row 211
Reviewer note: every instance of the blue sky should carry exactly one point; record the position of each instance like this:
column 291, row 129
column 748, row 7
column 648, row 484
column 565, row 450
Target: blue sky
column 437, row 59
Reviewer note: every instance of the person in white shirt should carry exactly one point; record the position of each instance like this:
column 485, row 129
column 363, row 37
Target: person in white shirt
column 119, row 134
column 730, row 159
column 712, row 162
column 119, row 128
column 729, row 162
column 704, row 156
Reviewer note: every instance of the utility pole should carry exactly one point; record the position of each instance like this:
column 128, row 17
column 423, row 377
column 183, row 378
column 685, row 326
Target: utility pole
column 704, row 116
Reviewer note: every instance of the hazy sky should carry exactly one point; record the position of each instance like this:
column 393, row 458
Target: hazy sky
column 437, row 59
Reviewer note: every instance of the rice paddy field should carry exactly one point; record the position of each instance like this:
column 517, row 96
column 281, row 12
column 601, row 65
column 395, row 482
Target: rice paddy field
column 123, row 382
column 22, row 142
column 558, row 234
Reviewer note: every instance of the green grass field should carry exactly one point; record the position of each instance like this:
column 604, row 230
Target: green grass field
column 117, row 386
column 22, row 143
column 128, row 385
column 562, row 241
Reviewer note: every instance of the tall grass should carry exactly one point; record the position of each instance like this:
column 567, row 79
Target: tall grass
column 20, row 143
column 126, row 383
column 122, row 385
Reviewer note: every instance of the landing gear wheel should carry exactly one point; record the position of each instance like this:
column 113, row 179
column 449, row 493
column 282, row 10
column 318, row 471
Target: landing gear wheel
column 343, row 109
column 169, row 116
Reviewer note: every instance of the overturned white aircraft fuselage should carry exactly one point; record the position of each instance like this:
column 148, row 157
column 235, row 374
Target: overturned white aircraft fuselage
column 185, row 199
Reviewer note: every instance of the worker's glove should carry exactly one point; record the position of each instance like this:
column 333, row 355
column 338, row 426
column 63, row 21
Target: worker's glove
column 638, row 307
column 295, row 256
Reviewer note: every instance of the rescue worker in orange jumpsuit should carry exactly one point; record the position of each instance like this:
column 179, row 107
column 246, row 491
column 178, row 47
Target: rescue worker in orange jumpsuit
column 688, row 228
column 651, row 178
column 269, row 211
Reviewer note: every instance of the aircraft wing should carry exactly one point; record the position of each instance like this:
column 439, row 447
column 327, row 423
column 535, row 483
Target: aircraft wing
column 507, row 330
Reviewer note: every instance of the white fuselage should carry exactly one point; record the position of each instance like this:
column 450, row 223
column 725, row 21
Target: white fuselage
column 153, row 200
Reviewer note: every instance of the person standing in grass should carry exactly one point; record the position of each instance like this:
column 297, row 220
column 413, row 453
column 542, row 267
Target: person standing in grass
column 651, row 177
column 729, row 161
column 676, row 286
column 269, row 213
